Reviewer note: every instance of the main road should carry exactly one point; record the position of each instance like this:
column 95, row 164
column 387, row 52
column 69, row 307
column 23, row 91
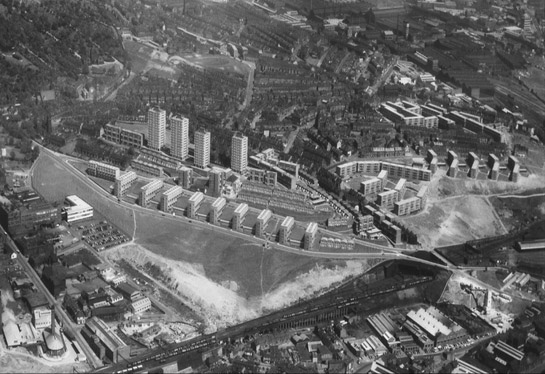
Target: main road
column 67, row 323
column 385, row 252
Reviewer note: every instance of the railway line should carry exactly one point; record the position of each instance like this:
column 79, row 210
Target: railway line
column 323, row 309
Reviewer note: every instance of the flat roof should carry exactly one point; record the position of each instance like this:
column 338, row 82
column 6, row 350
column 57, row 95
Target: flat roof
column 107, row 336
column 76, row 201
column 241, row 208
column 400, row 184
column 156, row 183
column 174, row 190
column 264, row 214
column 219, row 202
column 287, row 222
column 382, row 174
column 197, row 196
column 370, row 181
column 312, row 228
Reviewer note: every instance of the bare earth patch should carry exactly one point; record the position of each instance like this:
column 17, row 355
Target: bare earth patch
column 455, row 220
column 219, row 303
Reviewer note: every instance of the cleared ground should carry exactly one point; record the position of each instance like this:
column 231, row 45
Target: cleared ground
column 227, row 278
column 455, row 220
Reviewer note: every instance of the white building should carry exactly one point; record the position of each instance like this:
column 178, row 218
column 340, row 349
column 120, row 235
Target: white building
column 123, row 183
column 180, row 137
column 157, row 125
column 202, row 148
column 239, row 153
column 42, row 318
column 77, row 210
column 141, row 305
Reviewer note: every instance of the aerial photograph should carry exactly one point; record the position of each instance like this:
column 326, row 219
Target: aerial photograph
column 272, row 186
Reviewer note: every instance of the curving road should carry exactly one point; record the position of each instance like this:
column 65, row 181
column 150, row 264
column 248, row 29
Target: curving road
column 386, row 252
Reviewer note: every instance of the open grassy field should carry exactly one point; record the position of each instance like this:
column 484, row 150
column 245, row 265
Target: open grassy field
column 205, row 265
column 54, row 183
column 223, row 258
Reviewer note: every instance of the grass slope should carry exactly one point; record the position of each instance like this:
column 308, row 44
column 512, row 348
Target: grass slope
column 223, row 257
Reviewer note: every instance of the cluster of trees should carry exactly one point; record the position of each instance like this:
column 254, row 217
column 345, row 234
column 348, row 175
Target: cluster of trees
column 100, row 151
column 329, row 181
column 58, row 38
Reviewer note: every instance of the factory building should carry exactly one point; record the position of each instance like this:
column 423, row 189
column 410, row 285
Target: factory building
column 262, row 221
column 472, row 124
column 438, row 327
column 507, row 353
column 26, row 213
column 102, row 170
column 104, row 341
column 169, row 197
column 217, row 208
column 238, row 216
column 54, row 342
column 141, row 305
column 123, row 183
column 194, row 204
column 76, row 210
column 149, row 191
column 310, row 236
column 42, row 318
column 285, row 230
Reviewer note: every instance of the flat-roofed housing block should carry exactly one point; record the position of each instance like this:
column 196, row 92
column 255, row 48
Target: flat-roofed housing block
column 387, row 199
column 217, row 208
column 262, row 220
column 149, row 191
column 310, row 235
column 104, row 171
column 123, row 183
column 194, row 204
column 409, row 114
column 407, row 206
column 169, row 197
column 238, row 216
column 285, row 230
